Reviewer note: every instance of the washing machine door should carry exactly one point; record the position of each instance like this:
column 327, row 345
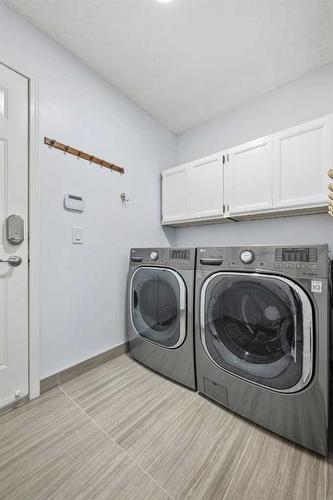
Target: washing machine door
column 258, row 327
column 158, row 306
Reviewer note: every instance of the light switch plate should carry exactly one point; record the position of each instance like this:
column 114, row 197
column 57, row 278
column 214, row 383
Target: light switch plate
column 77, row 235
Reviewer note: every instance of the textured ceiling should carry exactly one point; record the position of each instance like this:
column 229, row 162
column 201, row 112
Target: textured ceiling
column 187, row 61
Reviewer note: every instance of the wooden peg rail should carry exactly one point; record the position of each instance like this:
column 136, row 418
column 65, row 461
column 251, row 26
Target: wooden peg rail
column 81, row 154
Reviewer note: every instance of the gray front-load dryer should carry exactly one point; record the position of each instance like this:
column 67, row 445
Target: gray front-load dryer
column 262, row 336
column 160, row 298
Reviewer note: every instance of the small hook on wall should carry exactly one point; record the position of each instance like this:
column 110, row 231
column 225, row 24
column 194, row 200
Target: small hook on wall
column 124, row 199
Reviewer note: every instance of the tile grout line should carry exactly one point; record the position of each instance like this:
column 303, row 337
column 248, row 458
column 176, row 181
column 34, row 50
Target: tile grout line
column 144, row 471
column 185, row 419
column 239, row 462
column 114, row 442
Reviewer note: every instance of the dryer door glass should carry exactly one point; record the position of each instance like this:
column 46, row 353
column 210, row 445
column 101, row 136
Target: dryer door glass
column 158, row 306
column 259, row 328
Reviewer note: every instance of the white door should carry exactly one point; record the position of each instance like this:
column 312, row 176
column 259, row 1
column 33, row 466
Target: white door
column 303, row 154
column 206, row 188
column 13, row 201
column 249, row 177
column 175, row 194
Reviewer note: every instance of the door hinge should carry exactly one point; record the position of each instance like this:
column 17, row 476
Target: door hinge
column 223, row 160
column 223, row 208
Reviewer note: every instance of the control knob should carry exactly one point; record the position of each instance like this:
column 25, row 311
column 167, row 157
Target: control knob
column 247, row 257
column 154, row 256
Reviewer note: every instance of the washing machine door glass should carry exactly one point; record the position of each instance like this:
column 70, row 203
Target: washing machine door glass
column 258, row 327
column 158, row 306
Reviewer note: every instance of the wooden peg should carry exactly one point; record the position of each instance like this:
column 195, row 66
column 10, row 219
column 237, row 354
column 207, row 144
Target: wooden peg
column 85, row 156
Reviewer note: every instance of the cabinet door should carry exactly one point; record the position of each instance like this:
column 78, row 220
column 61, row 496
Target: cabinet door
column 175, row 194
column 249, row 177
column 206, row 188
column 302, row 157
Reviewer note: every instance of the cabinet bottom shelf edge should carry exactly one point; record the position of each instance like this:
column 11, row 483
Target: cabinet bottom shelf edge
column 248, row 217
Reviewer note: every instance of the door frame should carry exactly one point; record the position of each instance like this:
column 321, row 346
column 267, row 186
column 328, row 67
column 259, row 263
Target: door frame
column 34, row 230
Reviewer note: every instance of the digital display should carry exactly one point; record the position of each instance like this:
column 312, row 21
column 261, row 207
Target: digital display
column 296, row 254
column 180, row 254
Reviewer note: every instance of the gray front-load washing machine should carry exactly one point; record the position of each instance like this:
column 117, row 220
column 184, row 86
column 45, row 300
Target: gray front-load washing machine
column 160, row 298
column 262, row 336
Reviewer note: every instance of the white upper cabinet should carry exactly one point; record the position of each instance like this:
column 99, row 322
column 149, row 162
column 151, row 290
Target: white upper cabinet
column 248, row 176
column 302, row 155
column 206, row 188
column 283, row 172
column 193, row 190
column 175, row 194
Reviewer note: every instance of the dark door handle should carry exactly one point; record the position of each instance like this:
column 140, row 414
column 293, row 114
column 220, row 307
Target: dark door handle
column 136, row 259
column 135, row 299
column 211, row 262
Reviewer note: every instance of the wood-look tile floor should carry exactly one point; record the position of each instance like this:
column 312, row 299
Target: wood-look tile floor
column 123, row 432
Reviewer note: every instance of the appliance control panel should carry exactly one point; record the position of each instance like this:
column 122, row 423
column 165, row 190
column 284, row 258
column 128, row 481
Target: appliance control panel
column 302, row 261
column 179, row 254
column 291, row 254
column 298, row 261
column 180, row 258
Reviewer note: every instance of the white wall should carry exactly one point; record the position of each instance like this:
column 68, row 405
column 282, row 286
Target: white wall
column 305, row 229
column 83, row 287
column 302, row 100
column 297, row 102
